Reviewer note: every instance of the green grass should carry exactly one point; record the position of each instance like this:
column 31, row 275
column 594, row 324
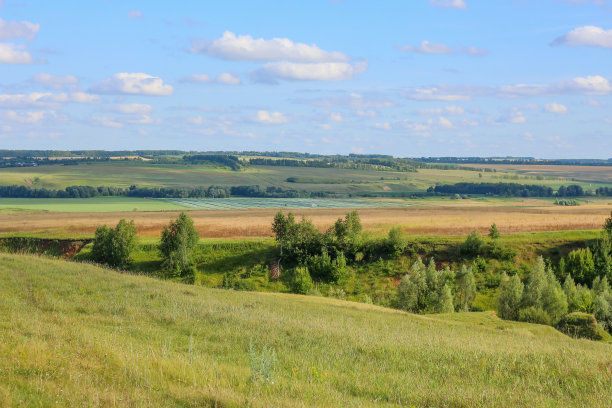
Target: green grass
column 77, row 335
column 95, row 204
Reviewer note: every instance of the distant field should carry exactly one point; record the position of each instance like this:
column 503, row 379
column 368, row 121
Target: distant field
column 74, row 335
column 124, row 174
column 96, row 204
column 435, row 217
column 581, row 173
column 252, row 203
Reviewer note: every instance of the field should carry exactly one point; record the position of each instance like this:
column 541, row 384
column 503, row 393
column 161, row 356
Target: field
column 125, row 174
column 580, row 173
column 77, row 335
column 441, row 217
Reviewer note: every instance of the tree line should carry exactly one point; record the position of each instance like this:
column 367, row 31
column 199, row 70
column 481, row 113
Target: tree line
column 510, row 190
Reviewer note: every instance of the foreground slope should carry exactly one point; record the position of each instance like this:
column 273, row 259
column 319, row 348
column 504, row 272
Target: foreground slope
column 78, row 335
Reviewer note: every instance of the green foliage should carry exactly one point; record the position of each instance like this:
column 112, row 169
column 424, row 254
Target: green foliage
column 176, row 246
column 396, row 241
column 533, row 314
column 602, row 305
column 300, row 280
column 509, row 297
column 472, row 246
column 579, row 263
column 494, row 232
column 580, row 325
column 114, row 246
column 263, row 364
column 426, row 289
column 465, row 291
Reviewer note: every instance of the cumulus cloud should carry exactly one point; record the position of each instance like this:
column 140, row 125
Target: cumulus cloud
column 11, row 54
column 556, row 108
column 383, row 126
column 224, row 78
column 458, row 4
column 363, row 104
column 274, row 118
column 438, row 94
column 132, row 108
column 321, row 71
column 427, row 47
column 449, row 110
column 18, row 29
column 29, row 117
column 44, row 99
column 55, row 81
column 107, row 122
column 135, row 14
column 246, row 48
column 133, row 84
column 586, row 36
column 445, row 123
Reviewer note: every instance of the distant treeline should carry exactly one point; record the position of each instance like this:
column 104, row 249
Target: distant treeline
column 516, row 160
column 511, row 190
column 604, row 191
column 225, row 160
column 157, row 192
column 343, row 162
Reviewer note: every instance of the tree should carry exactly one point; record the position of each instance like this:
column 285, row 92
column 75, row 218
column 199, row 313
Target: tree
column 465, row 291
column 114, row 246
column 445, row 301
column 493, row 232
column 283, row 228
column 300, row 280
column 509, row 297
column 581, row 265
column 178, row 240
column 472, row 246
column 396, row 241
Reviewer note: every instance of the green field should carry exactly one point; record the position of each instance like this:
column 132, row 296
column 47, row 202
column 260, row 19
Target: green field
column 127, row 173
column 76, row 335
column 252, row 203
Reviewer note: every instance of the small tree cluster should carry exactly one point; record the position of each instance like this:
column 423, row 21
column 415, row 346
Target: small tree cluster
column 114, row 246
column 428, row 290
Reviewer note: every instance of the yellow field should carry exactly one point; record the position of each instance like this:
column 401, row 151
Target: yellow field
column 450, row 217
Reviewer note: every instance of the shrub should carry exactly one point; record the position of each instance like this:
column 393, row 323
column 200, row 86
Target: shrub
column 534, row 315
column 114, row 246
column 300, row 280
column 581, row 265
column 509, row 297
column 472, row 246
column 396, row 242
column 177, row 243
column 580, row 325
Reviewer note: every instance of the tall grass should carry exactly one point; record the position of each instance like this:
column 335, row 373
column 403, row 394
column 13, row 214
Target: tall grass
column 76, row 335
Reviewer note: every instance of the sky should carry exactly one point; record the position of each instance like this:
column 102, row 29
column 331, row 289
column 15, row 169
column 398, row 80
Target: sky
column 527, row 78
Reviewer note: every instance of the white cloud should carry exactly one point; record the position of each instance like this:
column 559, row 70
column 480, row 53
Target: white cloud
column 10, row 54
column 438, row 94
column 427, row 47
column 383, row 126
column 586, row 36
column 133, row 84
column 44, row 99
column 18, row 29
column 55, row 81
column 459, row 4
column 143, row 120
column 228, row 79
column 274, row 118
column 135, row 14
column 445, row 123
column 322, row 71
column 107, row 122
column 246, row 48
column 132, row 108
column 28, row 117
column 336, row 117
column 556, row 108
column 224, row 78
column 449, row 110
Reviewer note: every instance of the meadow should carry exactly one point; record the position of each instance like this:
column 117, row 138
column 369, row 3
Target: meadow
column 77, row 335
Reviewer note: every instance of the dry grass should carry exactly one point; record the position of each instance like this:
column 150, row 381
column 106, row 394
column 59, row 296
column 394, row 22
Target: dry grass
column 439, row 218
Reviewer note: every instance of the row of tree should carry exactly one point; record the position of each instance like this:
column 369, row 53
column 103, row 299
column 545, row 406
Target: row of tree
column 114, row 246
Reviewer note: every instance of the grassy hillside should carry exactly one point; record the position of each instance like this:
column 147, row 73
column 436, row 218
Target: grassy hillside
column 77, row 335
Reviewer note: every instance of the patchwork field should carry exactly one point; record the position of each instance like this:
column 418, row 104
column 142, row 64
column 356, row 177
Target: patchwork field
column 601, row 174
column 441, row 217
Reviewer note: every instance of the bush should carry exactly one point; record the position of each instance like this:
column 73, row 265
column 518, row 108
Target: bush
column 509, row 297
column 300, row 280
column 114, row 246
column 177, row 243
column 396, row 242
column 534, row 315
column 580, row 325
column 472, row 246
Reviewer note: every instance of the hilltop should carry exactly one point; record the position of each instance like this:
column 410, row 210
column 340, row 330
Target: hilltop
column 78, row 335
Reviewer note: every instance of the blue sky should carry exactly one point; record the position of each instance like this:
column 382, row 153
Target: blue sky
column 407, row 78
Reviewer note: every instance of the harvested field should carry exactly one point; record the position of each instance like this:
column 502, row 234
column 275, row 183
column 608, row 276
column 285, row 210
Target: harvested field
column 436, row 218
column 600, row 174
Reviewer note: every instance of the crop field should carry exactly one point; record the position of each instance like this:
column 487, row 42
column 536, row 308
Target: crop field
column 78, row 335
column 95, row 204
column 435, row 217
column 125, row 174
column 253, row 203
column 602, row 174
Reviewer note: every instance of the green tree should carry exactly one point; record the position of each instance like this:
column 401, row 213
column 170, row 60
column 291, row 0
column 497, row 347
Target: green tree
column 536, row 282
column 509, row 297
column 114, row 246
column 396, row 241
column 283, row 228
column 472, row 246
column 300, row 280
column 465, row 289
column 493, row 232
column 178, row 240
column 445, row 301
column 580, row 264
